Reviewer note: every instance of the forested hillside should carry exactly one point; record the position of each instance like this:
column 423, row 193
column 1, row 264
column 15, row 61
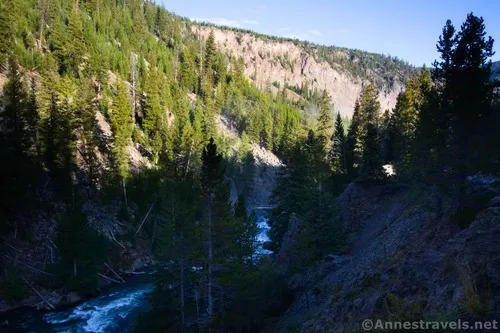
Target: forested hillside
column 112, row 153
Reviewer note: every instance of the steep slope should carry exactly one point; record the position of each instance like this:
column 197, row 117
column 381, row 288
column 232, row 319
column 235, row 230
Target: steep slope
column 407, row 261
column 270, row 63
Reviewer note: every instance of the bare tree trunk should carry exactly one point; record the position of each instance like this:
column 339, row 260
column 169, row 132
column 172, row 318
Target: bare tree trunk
column 42, row 22
column 133, row 70
column 188, row 159
column 176, row 64
column 145, row 217
column 201, row 64
column 182, row 289
column 196, row 299
column 125, row 192
column 39, row 295
column 153, row 237
column 210, row 305
column 114, row 272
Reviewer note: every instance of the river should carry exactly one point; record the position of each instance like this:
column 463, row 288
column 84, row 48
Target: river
column 115, row 310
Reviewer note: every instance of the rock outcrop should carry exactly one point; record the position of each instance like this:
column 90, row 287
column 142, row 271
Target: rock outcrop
column 408, row 261
column 267, row 62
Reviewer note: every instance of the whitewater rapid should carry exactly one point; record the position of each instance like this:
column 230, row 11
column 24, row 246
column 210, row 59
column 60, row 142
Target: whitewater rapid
column 115, row 310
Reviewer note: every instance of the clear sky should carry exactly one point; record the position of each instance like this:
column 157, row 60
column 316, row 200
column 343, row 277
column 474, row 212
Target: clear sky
column 408, row 29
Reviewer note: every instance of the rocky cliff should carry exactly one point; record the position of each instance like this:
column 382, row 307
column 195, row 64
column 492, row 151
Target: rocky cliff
column 271, row 62
column 412, row 256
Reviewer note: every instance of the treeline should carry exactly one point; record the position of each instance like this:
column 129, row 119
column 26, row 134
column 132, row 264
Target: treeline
column 442, row 129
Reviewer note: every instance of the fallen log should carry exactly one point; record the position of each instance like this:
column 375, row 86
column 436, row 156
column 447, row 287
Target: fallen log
column 40, row 295
column 29, row 266
column 145, row 217
column 112, row 270
column 108, row 278
column 12, row 247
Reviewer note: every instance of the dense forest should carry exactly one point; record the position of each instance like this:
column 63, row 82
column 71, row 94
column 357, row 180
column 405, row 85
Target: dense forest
column 71, row 67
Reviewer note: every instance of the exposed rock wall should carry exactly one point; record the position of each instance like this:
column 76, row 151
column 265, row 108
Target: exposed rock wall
column 262, row 65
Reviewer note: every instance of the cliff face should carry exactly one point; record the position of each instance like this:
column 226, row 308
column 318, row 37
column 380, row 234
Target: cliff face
column 268, row 61
column 408, row 259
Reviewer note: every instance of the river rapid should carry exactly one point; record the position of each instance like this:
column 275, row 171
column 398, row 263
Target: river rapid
column 114, row 310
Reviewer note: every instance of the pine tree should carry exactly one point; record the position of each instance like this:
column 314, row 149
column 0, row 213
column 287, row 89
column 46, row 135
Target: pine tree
column 153, row 120
column 210, row 54
column 441, row 73
column 86, row 122
column 187, row 73
column 472, row 95
column 58, row 126
column 325, row 123
column 7, row 30
column 122, row 126
column 354, row 142
column 209, row 120
column 211, row 179
column 13, row 118
column 371, row 164
column 58, row 43
column 82, row 251
column 369, row 111
column 338, row 150
column 404, row 121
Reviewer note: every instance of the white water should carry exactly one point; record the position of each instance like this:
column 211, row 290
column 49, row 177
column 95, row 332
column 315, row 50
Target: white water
column 263, row 228
column 114, row 311
column 103, row 314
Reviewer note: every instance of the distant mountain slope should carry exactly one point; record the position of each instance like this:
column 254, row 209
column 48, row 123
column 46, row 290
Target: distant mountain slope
column 495, row 68
column 274, row 62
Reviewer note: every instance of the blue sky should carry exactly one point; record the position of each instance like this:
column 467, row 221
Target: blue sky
column 407, row 29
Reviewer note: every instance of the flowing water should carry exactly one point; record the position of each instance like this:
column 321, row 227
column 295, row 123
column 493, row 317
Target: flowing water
column 115, row 310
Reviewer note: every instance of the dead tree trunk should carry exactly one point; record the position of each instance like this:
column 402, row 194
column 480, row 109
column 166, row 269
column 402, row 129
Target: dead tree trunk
column 183, row 316
column 39, row 295
column 210, row 304
column 125, row 192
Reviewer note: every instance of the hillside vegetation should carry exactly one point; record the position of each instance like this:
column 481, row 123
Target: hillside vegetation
column 126, row 138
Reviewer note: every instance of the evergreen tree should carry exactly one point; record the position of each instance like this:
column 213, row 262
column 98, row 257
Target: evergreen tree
column 210, row 54
column 153, row 120
column 338, row 150
column 86, row 122
column 82, row 251
column 472, row 94
column 13, row 118
column 75, row 43
column 371, row 166
column 209, row 120
column 354, row 142
column 121, row 125
column 57, row 127
column 405, row 118
column 211, row 180
column 7, row 31
column 325, row 123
